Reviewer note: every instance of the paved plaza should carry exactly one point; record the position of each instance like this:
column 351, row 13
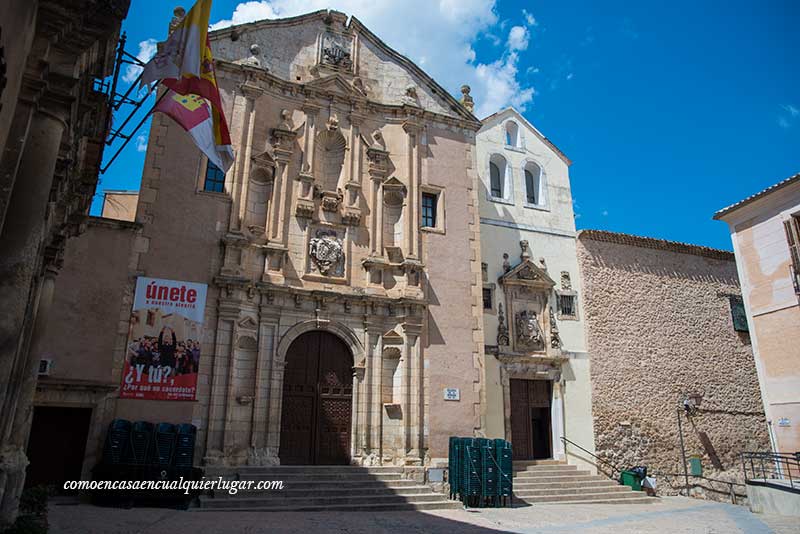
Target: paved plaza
column 669, row 515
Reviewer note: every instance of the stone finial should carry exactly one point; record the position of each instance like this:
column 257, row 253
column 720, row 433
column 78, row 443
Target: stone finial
column 177, row 17
column 466, row 99
column 502, row 329
column 526, row 251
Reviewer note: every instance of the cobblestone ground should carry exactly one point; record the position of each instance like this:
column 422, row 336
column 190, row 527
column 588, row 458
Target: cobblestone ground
column 670, row 515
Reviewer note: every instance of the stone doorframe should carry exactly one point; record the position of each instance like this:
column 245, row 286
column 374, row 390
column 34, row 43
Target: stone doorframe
column 276, row 392
column 517, row 368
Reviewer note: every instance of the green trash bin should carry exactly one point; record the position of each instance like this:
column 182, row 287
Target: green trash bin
column 630, row 479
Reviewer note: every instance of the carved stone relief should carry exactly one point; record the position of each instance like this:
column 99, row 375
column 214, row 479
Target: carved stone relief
column 336, row 51
column 326, row 252
column 528, row 331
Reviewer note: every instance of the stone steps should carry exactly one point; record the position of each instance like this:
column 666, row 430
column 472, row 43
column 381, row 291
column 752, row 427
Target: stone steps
column 320, row 488
column 553, row 482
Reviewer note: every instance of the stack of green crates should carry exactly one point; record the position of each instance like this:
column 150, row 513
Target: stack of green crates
column 480, row 471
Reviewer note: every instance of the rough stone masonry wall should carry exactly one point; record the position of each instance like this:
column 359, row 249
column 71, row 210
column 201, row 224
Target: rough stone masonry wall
column 659, row 328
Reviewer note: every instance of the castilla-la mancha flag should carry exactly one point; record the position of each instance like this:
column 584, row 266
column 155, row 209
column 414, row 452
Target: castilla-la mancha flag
column 185, row 65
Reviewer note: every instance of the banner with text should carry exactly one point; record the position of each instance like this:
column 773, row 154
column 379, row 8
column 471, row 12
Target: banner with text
column 163, row 351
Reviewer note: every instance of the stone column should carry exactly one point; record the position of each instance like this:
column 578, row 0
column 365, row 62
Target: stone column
column 412, row 130
column 20, row 266
column 378, row 159
column 244, row 115
column 21, row 426
column 557, row 418
column 412, row 394
column 281, row 197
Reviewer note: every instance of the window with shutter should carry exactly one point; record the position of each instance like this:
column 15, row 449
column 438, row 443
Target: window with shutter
column 738, row 314
column 792, row 227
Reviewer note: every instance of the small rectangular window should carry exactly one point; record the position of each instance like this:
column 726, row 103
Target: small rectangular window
column 429, row 201
column 566, row 305
column 215, row 179
column 487, row 299
column 738, row 314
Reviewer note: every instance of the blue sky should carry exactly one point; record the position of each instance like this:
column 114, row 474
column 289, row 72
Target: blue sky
column 669, row 110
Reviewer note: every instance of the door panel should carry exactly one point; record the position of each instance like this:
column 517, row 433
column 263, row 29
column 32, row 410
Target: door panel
column 317, row 401
column 530, row 419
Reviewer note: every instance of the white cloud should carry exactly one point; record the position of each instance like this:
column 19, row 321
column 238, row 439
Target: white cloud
column 438, row 35
column 791, row 110
column 783, row 123
column 605, row 213
column 570, row 76
column 529, row 19
column 518, row 38
column 147, row 49
column 141, row 142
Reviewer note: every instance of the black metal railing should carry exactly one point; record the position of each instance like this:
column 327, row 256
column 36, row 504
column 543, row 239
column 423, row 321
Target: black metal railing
column 672, row 479
column 615, row 470
column 776, row 467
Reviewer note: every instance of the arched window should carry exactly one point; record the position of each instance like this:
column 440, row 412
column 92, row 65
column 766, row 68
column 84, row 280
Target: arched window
column 496, row 180
column 512, row 133
column 533, row 183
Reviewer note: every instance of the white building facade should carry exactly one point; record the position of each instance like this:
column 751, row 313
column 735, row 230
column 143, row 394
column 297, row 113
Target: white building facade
column 537, row 368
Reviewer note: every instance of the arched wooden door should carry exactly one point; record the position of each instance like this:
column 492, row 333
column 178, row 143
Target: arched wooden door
column 317, row 401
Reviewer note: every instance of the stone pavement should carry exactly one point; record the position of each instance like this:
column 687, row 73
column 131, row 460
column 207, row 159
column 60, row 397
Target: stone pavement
column 669, row 515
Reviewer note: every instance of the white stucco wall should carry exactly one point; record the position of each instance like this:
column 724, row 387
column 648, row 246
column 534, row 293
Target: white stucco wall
column 549, row 229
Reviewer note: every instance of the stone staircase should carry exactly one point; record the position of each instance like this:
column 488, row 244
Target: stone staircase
column 555, row 482
column 323, row 488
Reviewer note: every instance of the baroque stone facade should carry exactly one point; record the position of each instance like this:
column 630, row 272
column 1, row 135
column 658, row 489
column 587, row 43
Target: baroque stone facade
column 318, row 231
column 52, row 127
column 660, row 330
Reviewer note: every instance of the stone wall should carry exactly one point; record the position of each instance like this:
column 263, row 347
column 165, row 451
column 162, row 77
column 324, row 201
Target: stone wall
column 659, row 330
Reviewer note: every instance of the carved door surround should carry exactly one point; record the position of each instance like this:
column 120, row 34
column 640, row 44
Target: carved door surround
column 528, row 326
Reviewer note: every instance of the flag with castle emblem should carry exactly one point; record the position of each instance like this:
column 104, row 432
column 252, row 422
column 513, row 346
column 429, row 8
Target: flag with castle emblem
column 194, row 114
column 182, row 53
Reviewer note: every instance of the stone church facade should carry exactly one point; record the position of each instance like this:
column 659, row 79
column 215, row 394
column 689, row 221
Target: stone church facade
column 317, row 238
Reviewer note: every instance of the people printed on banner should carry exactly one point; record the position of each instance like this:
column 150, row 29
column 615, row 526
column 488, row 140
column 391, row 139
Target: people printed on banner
column 165, row 352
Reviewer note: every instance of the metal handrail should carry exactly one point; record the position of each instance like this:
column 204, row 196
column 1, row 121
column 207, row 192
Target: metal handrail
column 593, row 455
column 771, row 466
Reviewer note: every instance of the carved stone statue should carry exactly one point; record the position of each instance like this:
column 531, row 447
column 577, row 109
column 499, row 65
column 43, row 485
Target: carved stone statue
column 466, row 100
column 506, row 263
column 529, row 333
column 502, row 329
column 327, row 252
column 526, row 251
column 555, row 338
column 410, row 96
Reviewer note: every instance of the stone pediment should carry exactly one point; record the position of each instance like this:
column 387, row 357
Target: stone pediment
column 336, row 84
column 528, row 274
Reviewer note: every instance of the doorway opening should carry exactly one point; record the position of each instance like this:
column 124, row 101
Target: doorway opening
column 316, row 416
column 57, row 445
column 531, row 428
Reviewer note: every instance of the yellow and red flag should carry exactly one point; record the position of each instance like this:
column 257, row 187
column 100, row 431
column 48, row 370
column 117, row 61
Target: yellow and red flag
column 193, row 113
column 186, row 66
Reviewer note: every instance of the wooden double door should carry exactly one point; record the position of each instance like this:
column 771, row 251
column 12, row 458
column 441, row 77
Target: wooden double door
column 531, row 432
column 316, row 415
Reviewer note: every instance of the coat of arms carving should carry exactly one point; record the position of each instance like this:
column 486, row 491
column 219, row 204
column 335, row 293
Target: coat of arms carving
column 336, row 51
column 529, row 333
column 327, row 253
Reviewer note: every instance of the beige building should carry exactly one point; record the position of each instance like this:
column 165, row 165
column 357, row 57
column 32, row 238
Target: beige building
column 341, row 253
column 537, row 366
column 52, row 134
column 119, row 205
column 665, row 330
column 765, row 231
